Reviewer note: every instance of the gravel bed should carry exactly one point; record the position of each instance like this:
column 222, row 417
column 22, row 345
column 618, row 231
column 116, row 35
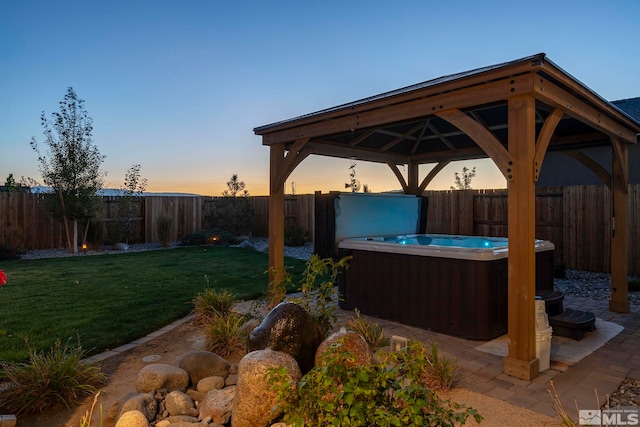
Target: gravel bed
column 590, row 285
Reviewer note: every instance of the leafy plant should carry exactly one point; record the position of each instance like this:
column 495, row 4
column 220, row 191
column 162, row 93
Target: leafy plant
column 225, row 333
column 295, row 235
column 319, row 293
column 164, row 226
column 386, row 394
column 372, row 332
column 58, row 377
column 211, row 302
column 128, row 204
column 430, row 367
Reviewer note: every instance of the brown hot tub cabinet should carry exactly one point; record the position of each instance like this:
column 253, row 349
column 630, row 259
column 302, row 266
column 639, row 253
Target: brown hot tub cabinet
column 454, row 296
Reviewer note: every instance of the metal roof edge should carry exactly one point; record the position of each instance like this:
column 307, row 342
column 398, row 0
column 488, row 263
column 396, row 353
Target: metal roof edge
column 535, row 60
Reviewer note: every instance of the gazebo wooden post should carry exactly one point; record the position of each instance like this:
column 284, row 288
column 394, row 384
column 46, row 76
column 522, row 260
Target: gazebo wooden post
column 276, row 214
column 619, row 301
column 412, row 178
column 521, row 361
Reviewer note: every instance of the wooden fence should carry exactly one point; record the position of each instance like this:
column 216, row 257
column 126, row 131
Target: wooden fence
column 576, row 219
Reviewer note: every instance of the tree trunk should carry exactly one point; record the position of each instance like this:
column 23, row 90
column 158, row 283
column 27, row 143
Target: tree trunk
column 64, row 220
column 75, row 236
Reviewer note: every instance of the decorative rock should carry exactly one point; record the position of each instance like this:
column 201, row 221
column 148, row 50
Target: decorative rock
column 254, row 396
column 158, row 375
column 210, row 383
column 217, row 405
column 132, row 419
column 352, row 343
column 233, row 368
column 202, row 364
column 196, row 395
column 140, row 402
column 231, row 380
column 176, row 419
column 179, row 403
column 288, row 328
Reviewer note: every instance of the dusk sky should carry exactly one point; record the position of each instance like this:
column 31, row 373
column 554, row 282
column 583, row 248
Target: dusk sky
column 178, row 86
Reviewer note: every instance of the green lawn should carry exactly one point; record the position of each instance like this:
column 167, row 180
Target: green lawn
column 110, row 300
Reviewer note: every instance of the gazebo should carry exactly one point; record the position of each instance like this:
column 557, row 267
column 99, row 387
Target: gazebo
column 513, row 113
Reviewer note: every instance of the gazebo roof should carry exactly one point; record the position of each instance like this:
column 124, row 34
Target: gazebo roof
column 411, row 124
column 513, row 113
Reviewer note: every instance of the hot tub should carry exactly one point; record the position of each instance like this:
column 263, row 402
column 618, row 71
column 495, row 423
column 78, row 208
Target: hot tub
column 455, row 285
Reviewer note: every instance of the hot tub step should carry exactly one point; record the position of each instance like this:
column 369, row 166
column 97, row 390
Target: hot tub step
column 573, row 323
column 552, row 301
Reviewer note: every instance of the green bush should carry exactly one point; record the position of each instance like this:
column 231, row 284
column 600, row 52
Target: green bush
column 295, row 236
column 559, row 270
column 8, row 253
column 95, row 233
column 231, row 214
column 58, row 377
column 226, row 334
column 390, row 393
column 634, row 285
column 372, row 332
column 319, row 293
column 211, row 302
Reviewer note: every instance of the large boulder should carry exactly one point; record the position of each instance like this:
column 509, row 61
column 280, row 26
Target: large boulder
column 255, row 397
column 288, row 328
column 161, row 376
column 202, row 364
column 350, row 342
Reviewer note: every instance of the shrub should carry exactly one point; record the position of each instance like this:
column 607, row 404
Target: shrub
column 559, row 270
column 211, row 302
column 634, row 285
column 164, row 226
column 434, row 371
column 225, row 334
column 95, row 233
column 295, row 236
column 8, row 253
column 58, row 377
column 372, row 332
column 319, row 293
column 386, row 394
column 231, row 214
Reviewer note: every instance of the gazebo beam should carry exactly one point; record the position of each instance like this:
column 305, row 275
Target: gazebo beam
column 432, row 174
column 521, row 361
column 480, row 94
column 481, row 136
column 580, row 110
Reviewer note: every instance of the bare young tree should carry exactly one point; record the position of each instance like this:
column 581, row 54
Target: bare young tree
column 464, row 182
column 71, row 165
